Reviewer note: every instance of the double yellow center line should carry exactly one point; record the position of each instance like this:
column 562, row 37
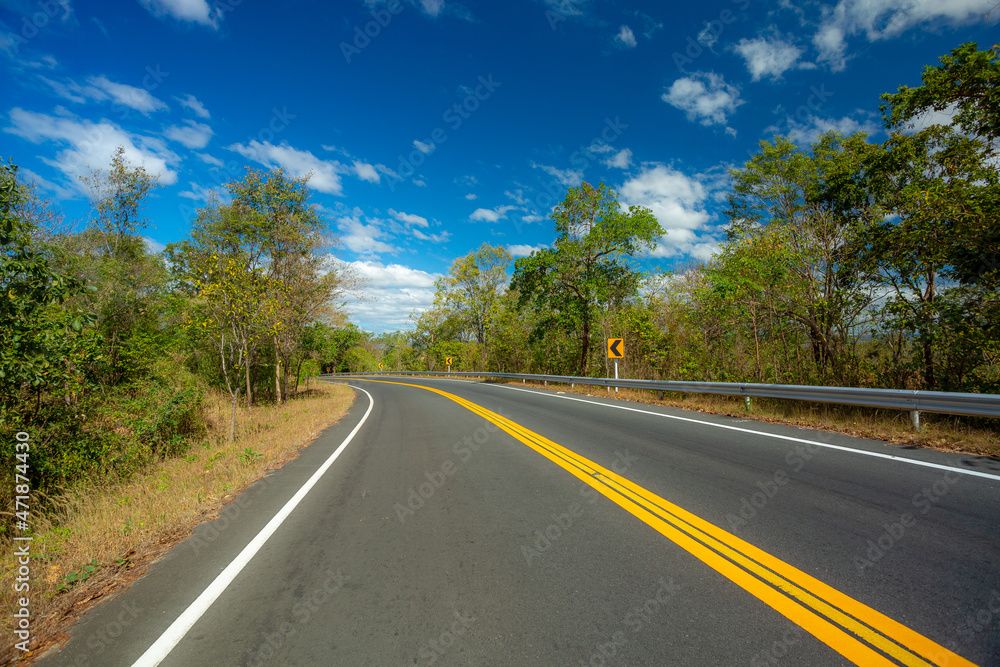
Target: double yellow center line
column 856, row 631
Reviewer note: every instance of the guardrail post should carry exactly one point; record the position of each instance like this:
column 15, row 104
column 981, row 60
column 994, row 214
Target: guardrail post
column 915, row 419
column 748, row 404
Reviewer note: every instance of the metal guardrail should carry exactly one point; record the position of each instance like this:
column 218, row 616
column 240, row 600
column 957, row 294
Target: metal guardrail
column 954, row 403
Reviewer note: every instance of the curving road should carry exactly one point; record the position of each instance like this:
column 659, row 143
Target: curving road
column 461, row 523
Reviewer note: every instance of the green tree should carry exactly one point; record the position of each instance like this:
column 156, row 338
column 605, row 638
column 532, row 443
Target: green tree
column 233, row 308
column 966, row 84
column 44, row 344
column 272, row 228
column 473, row 287
column 792, row 213
column 587, row 266
column 941, row 197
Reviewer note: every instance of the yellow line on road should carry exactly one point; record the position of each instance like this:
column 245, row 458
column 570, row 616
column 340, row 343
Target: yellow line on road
column 856, row 631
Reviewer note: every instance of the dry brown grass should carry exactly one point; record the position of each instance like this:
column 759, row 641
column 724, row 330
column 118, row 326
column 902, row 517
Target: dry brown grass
column 125, row 527
column 942, row 432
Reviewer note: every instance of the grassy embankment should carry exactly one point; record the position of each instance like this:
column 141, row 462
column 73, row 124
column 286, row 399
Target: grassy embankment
column 101, row 538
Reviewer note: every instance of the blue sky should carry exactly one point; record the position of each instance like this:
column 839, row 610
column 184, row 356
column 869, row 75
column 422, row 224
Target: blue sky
column 432, row 126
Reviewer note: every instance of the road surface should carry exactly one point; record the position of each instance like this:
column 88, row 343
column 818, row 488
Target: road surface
column 461, row 523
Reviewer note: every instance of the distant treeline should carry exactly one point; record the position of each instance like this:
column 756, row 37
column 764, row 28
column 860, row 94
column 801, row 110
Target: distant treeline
column 845, row 263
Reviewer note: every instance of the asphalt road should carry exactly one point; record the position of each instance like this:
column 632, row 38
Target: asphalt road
column 481, row 524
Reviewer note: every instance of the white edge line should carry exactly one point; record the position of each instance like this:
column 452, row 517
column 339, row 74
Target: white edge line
column 903, row 459
column 173, row 635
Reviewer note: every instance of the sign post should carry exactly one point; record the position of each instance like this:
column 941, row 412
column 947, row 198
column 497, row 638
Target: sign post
column 616, row 351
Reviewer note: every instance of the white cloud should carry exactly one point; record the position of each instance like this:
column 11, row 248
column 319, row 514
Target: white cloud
column 298, row 163
column 192, row 11
column 102, row 89
column 201, row 193
column 886, row 19
column 72, row 91
column 470, row 196
column 395, row 291
column 366, row 172
column 523, row 250
column 363, row 239
column 434, row 238
column 209, row 159
column 705, row 97
column 808, row 132
column 620, row 160
column 767, row 56
column 626, row 37
column 709, row 35
column 432, row 7
column 650, row 26
column 139, row 99
column 422, row 147
column 517, row 196
column 567, row 177
column 678, row 202
column 27, row 176
column 91, row 145
column 534, row 217
column 409, row 218
column 191, row 134
column 491, row 215
column 191, row 102
column 152, row 245
column 930, row 117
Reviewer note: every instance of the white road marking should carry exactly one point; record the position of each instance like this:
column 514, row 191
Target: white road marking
column 902, row 459
column 155, row 654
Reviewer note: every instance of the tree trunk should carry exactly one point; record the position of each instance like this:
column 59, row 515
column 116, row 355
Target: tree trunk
column 929, row 378
column 277, row 372
column 232, row 417
column 249, row 390
column 584, row 345
column 298, row 376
